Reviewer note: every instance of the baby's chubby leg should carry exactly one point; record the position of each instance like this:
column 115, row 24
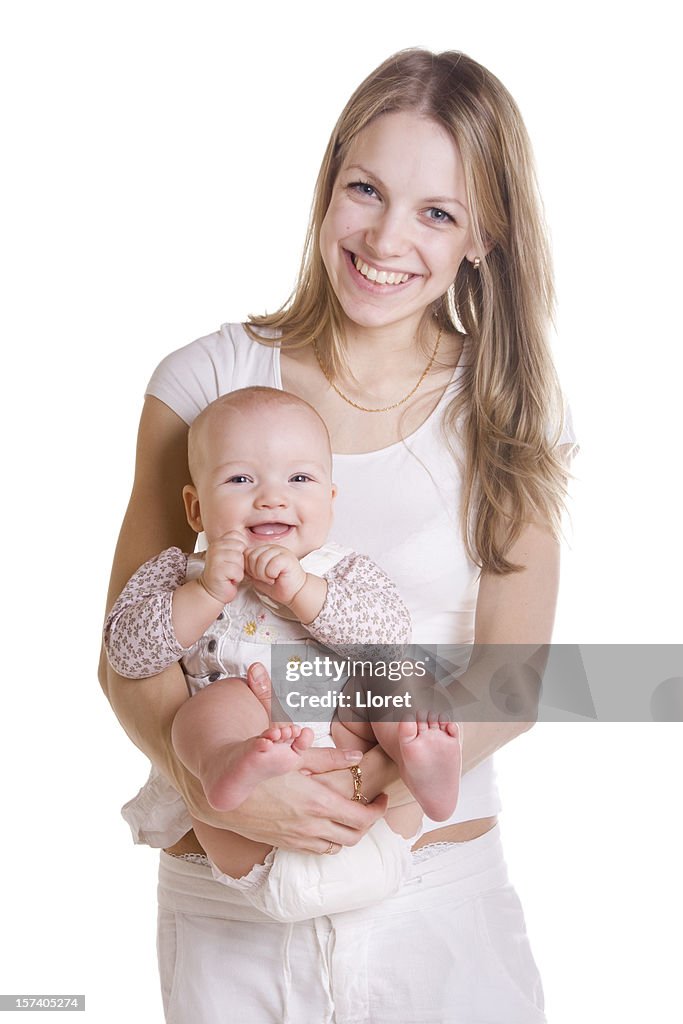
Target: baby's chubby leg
column 352, row 735
column 222, row 735
column 229, row 852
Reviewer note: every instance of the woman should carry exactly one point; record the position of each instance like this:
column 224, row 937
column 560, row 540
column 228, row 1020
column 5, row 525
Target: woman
column 418, row 332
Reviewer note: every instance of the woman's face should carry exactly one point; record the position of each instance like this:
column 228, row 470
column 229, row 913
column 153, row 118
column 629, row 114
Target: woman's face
column 397, row 227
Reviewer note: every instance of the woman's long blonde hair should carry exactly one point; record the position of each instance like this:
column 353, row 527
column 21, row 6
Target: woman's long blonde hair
column 504, row 423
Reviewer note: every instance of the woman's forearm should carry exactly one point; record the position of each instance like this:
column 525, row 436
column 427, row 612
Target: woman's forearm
column 481, row 739
column 146, row 709
column 498, row 695
column 513, row 628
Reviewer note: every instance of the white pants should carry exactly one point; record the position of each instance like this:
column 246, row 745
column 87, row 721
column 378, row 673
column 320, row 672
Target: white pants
column 449, row 948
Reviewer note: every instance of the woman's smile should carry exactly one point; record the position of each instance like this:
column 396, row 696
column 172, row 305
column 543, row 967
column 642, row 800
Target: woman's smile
column 377, row 274
column 374, row 279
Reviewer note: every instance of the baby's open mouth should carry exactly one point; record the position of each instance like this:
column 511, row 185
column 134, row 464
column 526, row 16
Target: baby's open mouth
column 270, row 529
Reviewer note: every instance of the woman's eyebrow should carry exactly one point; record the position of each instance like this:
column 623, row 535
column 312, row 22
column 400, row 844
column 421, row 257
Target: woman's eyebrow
column 366, row 172
column 429, row 199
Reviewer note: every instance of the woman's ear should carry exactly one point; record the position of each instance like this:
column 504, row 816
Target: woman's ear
column 477, row 256
column 192, row 510
column 480, row 251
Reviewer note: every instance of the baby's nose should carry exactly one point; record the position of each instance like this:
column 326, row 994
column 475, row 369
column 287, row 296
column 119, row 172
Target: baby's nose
column 271, row 496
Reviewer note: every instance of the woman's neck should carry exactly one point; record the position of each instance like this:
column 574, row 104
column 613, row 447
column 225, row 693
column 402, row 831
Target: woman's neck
column 372, row 351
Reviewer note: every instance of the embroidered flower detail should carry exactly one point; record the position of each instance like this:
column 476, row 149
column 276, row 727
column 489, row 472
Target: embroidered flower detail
column 267, row 634
column 250, row 628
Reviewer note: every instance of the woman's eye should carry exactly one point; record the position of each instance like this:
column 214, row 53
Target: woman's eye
column 439, row 216
column 363, row 187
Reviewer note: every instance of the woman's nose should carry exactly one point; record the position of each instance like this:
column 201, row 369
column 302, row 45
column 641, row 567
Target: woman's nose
column 387, row 236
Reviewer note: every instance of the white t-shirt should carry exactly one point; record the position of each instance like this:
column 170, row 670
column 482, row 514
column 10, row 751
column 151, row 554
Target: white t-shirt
column 400, row 506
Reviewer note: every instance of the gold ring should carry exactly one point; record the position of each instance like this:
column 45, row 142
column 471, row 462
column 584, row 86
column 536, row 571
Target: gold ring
column 331, row 847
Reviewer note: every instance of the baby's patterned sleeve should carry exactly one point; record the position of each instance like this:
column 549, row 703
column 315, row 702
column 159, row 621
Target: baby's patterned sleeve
column 362, row 606
column 138, row 634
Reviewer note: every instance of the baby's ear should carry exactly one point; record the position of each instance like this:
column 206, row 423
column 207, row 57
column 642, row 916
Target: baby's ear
column 192, row 510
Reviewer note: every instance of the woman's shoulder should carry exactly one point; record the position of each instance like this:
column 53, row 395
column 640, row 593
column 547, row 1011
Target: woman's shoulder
column 230, row 349
column 191, row 377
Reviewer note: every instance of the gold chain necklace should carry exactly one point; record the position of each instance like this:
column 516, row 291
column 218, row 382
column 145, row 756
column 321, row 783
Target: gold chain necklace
column 386, row 408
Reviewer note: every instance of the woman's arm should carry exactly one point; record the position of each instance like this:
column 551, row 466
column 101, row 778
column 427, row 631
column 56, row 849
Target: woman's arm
column 154, row 520
column 517, row 609
column 292, row 811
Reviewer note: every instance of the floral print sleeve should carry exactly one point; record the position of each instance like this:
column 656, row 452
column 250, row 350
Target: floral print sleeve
column 138, row 633
column 362, row 606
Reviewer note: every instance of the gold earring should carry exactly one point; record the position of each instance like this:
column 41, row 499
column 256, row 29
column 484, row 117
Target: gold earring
column 476, row 262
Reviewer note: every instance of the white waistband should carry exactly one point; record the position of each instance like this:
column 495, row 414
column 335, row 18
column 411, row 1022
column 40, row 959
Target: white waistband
column 472, row 867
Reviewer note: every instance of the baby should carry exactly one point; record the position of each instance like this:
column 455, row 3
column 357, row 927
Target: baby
column 262, row 493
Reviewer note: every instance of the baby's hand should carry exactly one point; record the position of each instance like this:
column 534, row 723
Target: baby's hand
column 275, row 571
column 224, row 567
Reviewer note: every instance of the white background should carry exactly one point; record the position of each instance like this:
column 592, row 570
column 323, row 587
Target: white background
column 159, row 162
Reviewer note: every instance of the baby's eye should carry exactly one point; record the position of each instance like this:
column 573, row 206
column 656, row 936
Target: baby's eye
column 299, row 478
column 239, row 478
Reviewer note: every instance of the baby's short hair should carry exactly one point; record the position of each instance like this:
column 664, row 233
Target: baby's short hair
column 247, row 399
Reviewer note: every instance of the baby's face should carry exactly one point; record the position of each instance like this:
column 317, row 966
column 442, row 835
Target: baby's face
column 265, row 471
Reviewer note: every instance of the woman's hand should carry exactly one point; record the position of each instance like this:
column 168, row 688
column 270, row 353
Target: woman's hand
column 381, row 780
column 298, row 811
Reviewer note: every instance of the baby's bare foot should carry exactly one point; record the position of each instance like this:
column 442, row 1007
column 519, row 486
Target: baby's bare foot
column 232, row 773
column 431, row 759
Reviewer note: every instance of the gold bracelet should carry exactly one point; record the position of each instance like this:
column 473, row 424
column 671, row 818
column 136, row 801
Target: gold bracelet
column 357, row 784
